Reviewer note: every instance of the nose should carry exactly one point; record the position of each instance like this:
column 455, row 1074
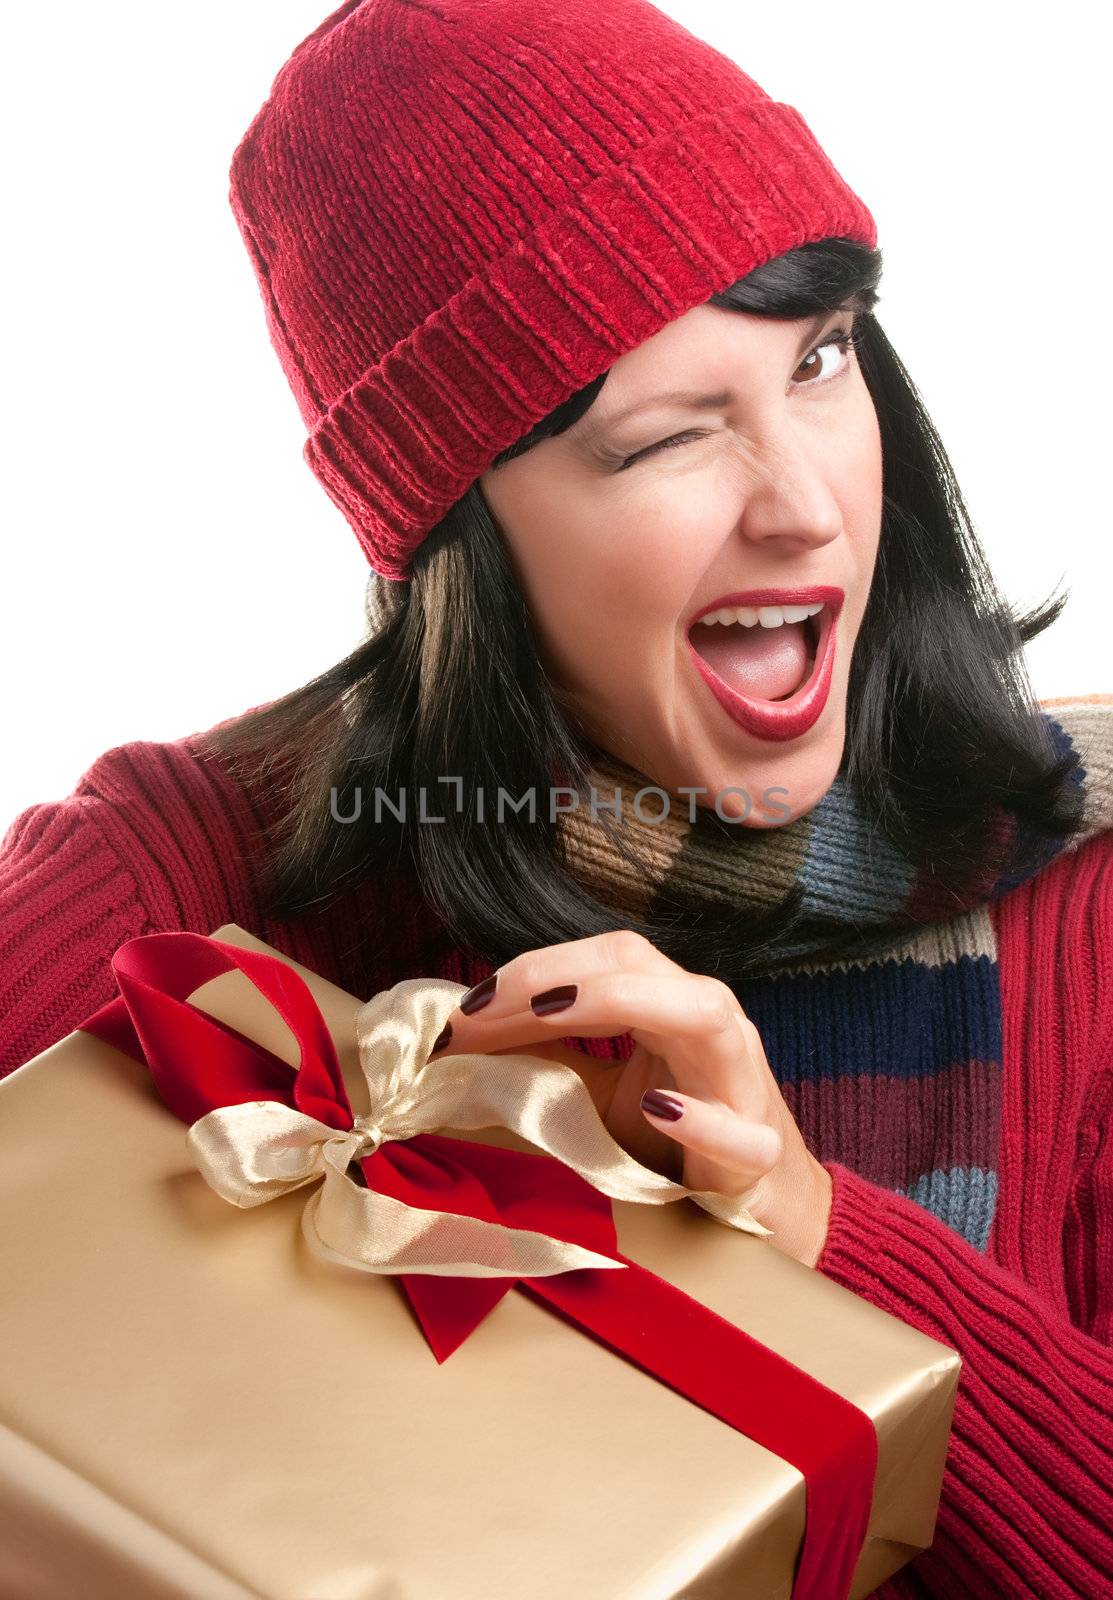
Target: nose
column 789, row 503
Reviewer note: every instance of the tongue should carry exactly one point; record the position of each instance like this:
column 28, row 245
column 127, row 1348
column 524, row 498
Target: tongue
column 761, row 663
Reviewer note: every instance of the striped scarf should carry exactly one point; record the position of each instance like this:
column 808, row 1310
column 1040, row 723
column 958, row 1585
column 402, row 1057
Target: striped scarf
column 880, row 1012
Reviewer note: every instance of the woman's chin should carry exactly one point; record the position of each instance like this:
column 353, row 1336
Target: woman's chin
column 774, row 790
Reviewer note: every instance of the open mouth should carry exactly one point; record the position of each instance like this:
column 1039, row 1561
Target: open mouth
column 769, row 660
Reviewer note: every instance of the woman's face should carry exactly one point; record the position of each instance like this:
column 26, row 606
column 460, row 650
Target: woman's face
column 773, row 483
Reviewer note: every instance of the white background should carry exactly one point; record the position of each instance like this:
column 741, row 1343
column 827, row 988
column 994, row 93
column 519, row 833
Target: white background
column 170, row 560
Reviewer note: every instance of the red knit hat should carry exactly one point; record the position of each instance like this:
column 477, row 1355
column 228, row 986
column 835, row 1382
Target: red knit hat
column 462, row 211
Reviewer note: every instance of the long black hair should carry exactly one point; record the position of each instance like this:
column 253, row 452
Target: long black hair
column 942, row 726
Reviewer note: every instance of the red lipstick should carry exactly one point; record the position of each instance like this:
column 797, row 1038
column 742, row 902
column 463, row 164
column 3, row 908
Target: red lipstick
column 778, row 719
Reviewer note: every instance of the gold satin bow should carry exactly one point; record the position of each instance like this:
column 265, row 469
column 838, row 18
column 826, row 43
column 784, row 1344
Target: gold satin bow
column 256, row 1151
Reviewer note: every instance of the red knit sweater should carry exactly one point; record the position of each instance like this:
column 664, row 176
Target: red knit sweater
column 155, row 838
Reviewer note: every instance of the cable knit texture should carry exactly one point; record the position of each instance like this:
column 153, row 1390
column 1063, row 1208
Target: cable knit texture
column 155, row 837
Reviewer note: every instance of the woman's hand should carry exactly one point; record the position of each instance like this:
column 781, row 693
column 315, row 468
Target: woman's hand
column 692, row 1040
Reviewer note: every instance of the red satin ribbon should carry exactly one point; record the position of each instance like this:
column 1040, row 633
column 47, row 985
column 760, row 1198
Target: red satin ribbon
column 198, row 1064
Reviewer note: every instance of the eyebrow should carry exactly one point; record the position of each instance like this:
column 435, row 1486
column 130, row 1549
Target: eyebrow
column 696, row 399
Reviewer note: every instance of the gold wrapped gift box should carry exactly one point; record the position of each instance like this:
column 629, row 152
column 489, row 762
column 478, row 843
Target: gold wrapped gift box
column 193, row 1406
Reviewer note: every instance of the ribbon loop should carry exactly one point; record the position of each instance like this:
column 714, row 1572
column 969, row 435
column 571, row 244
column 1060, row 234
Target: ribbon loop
column 256, row 1149
column 253, row 1152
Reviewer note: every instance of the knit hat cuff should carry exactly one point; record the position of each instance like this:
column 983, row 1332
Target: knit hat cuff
column 687, row 215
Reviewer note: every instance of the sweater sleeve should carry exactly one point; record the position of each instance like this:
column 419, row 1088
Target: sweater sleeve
column 147, row 841
column 1027, row 1500
column 66, row 903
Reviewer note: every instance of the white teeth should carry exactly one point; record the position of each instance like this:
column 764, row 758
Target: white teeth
column 766, row 616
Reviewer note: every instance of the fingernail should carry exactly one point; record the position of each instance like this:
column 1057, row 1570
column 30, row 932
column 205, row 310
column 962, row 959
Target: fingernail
column 442, row 1038
column 477, row 998
column 558, row 999
column 660, row 1104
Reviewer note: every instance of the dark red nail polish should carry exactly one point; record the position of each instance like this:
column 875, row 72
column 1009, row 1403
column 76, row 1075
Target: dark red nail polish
column 660, row 1104
column 442, row 1038
column 477, row 997
column 549, row 1000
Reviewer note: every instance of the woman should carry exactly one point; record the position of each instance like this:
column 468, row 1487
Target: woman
column 849, row 916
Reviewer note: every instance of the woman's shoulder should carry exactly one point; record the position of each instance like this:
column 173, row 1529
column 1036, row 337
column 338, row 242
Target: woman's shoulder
column 1054, row 937
column 1082, row 725
column 152, row 836
column 1085, row 868
column 1075, row 890
column 165, row 835
column 1054, row 930
column 175, row 818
